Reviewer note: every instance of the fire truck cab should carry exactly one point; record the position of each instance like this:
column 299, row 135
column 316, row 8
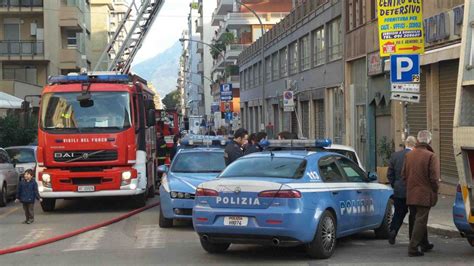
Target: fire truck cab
column 96, row 138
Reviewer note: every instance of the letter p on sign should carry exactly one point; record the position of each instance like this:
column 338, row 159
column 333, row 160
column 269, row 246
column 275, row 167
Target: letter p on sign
column 404, row 68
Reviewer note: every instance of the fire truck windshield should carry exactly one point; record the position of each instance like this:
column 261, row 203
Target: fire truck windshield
column 106, row 111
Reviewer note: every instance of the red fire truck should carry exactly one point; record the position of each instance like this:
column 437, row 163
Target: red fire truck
column 96, row 138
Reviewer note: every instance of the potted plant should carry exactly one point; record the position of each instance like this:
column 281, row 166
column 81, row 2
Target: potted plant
column 384, row 151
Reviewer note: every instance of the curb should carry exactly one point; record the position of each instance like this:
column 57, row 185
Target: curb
column 442, row 230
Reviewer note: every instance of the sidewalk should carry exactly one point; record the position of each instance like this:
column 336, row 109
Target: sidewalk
column 441, row 217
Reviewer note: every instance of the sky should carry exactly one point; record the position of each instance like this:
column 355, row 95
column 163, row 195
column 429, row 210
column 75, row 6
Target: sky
column 166, row 30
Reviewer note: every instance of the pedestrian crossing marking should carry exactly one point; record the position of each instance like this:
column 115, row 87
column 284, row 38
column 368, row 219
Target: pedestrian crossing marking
column 35, row 235
column 149, row 236
column 88, row 241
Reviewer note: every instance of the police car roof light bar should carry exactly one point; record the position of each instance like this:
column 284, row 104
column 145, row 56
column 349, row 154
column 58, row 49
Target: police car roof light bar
column 299, row 143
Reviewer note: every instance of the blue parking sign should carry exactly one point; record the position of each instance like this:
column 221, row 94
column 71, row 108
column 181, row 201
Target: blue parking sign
column 405, row 68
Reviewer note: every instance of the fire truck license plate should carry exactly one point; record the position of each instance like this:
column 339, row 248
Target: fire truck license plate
column 85, row 188
column 236, row 221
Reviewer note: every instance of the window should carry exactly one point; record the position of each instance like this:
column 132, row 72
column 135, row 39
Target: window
column 268, row 69
column 335, row 40
column 22, row 155
column 241, row 78
column 208, row 162
column 373, row 9
column 26, row 74
column 356, row 14
column 351, row 170
column 319, row 47
column 71, row 38
column 275, row 66
column 4, row 157
column 329, row 171
column 305, row 54
column 275, row 167
column 252, row 78
column 255, row 75
column 283, row 62
column 293, row 58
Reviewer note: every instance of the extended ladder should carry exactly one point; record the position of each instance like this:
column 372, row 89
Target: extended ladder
column 128, row 38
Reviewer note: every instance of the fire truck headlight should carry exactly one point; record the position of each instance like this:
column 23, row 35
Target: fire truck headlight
column 46, row 178
column 126, row 175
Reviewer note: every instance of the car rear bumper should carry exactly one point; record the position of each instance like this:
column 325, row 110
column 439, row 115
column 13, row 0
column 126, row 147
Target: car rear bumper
column 270, row 223
column 459, row 217
column 251, row 239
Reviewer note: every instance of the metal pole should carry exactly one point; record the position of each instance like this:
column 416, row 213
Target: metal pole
column 406, row 126
column 264, row 108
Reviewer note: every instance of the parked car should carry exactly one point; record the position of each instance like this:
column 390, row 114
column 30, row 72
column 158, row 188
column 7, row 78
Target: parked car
column 189, row 168
column 460, row 219
column 291, row 198
column 9, row 178
column 23, row 156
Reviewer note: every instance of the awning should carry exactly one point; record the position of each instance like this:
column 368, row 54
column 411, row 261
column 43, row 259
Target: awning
column 8, row 101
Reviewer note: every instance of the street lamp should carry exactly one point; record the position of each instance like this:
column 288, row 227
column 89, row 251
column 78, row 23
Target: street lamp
column 262, row 51
column 205, row 43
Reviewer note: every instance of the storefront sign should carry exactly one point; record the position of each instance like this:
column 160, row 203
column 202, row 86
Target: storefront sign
column 405, row 97
column 288, row 101
column 445, row 26
column 400, row 27
column 374, row 64
column 406, row 87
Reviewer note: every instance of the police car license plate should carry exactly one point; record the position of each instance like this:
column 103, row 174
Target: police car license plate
column 236, row 221
column 85, row 188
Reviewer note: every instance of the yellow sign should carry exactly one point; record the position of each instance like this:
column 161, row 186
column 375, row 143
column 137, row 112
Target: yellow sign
column 400, row 27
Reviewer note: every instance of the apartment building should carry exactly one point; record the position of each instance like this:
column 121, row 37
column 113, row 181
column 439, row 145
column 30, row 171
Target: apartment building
column 39, row 38
column 303, row 53
column 237, row 29
column 371, row 117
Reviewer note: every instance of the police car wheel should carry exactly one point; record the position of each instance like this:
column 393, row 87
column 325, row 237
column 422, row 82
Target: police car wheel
column 3, row 196
column 214, row 248
column 164, row 222
column 383, row 231
column 48, row 205
column 470, row 240
column 324, row 242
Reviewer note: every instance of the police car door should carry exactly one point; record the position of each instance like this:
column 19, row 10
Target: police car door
column 340, row 193
column 364, row 206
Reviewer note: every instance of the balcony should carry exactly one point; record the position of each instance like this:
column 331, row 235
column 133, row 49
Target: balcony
column 216, row 19
column 21, row 6
column 219, row 63
column 200, row 48
column 71, row 17
column 22, row 49
column 233, row 50
column 224, row 7
column 199, row 28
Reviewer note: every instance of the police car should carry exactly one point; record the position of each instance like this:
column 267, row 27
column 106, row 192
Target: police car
column 290, row 198
column 189, row 168
column 459, row 216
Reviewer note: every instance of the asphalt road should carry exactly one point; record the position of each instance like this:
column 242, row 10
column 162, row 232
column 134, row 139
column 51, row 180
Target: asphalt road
column 139, row 241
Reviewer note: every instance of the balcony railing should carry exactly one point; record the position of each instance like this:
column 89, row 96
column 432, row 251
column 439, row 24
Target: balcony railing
column 21, row 3
column 21, row 48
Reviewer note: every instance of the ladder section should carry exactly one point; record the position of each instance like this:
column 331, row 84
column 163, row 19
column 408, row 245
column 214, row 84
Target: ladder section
column 128, row 38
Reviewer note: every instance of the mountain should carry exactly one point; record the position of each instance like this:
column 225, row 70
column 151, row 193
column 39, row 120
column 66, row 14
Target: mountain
column 162, row 69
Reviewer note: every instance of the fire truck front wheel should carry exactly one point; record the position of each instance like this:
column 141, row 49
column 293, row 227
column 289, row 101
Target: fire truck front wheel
column 48, row 205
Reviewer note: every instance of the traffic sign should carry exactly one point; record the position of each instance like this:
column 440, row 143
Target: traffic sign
column 404, row 68
column 288, row 101
column 226, row 92
column 228, row 116
column 405, row 97
column 406, row 87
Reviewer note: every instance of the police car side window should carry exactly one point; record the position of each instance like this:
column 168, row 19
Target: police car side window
column 329, row 170
column 351, row 170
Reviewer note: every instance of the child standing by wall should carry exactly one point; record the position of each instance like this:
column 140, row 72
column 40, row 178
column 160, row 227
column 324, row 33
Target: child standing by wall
column 27, row 194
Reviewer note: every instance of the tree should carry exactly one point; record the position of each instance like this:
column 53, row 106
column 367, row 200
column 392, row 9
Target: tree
column 12, row 134
column 172, row 99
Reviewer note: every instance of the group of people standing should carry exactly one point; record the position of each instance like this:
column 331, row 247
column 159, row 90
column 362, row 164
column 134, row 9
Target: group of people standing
column 414, row 174
column 243, row 144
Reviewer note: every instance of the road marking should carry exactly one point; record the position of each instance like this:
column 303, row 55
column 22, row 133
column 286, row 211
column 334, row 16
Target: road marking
column 88, row 241
column 149, row 236
column 33, row 236
column 9, row 212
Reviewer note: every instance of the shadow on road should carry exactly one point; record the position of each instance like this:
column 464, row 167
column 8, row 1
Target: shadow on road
column 95, row 205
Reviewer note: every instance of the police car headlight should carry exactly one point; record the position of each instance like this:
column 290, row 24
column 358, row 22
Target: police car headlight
column 174, row 194
column 187, row 195
column 126, row 175
column 46, row 178
column 180, row 195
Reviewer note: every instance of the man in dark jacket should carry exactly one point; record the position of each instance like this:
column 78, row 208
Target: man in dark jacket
column 234, row 150
column 161, row 148
column 254, row 143
column 421, row 172
column 394, row 175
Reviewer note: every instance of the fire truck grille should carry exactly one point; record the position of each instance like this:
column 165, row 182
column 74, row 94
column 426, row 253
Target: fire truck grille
column 85, row 156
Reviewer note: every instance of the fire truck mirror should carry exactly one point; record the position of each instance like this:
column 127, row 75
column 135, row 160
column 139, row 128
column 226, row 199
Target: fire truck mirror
column 151, row 118
column 150, row 105
column 86, row 103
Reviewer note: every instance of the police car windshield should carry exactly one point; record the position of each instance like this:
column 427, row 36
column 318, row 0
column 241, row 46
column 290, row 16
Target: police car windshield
column 198, row 162
column 270, row 167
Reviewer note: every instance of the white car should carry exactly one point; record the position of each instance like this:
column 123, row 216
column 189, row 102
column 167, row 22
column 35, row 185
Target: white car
column 9, row 178
column 24, row 157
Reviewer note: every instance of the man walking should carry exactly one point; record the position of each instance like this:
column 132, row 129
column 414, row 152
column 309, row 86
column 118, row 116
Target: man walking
column 421, row 173
column 234, row 150
column 394, row 175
